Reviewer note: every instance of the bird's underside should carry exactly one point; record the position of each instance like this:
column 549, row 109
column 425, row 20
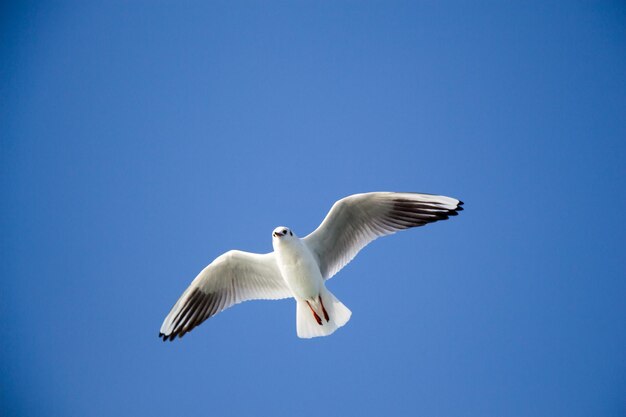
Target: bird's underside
column 351, row 224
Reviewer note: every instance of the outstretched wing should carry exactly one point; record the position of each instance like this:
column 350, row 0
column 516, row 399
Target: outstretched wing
column 233, row 277
column 355, row 221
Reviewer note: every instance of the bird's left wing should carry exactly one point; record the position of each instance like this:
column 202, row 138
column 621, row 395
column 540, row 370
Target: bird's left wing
column 233, row 277
column 356, row 220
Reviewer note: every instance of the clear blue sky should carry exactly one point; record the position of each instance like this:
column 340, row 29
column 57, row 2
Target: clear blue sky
column 140, row 141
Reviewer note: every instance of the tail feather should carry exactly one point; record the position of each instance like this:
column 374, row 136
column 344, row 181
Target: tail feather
column 307, row 325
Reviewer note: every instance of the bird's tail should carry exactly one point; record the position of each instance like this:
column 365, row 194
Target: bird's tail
column 320, row 317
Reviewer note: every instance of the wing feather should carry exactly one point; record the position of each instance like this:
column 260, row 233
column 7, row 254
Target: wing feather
column 355, row 221
column 230, row 279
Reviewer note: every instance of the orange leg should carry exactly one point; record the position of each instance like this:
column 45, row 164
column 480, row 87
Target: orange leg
column 317, row 318
column 323, row 309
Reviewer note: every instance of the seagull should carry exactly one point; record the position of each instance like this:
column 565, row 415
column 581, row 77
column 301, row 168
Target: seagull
column 299, row 267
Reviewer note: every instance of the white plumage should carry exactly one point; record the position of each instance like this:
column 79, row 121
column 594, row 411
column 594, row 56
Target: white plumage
column 298, row 267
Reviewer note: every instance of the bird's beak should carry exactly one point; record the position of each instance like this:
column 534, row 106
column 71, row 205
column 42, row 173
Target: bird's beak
column 277, row 234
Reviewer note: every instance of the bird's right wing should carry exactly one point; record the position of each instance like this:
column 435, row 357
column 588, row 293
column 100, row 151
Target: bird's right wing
column 356, row 220
column 233, row 277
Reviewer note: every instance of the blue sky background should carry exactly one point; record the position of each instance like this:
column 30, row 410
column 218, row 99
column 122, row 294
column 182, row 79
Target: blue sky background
column 139, row 141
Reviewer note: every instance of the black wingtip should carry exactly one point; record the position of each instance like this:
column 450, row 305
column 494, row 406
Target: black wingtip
column 166, row 337
column 455, row 211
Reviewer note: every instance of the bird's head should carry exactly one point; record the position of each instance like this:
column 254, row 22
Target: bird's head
column 282, row 232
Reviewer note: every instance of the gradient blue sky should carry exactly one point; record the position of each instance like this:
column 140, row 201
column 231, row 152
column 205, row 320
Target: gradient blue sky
column 139, row 141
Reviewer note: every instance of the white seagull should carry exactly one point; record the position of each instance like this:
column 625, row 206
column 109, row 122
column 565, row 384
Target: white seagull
column 298, row 268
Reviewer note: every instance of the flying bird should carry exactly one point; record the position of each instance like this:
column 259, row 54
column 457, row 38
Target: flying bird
column 299, row 267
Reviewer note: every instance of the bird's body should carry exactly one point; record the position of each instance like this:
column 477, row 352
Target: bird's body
column 299, row 268
column 301, row 273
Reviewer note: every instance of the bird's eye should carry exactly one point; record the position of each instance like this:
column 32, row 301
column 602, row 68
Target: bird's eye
column 284, row 231
column 290, row 234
